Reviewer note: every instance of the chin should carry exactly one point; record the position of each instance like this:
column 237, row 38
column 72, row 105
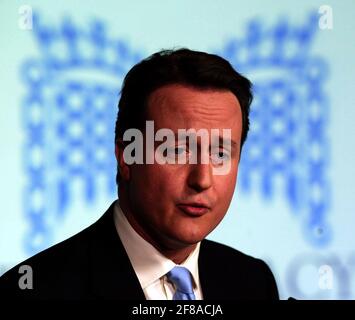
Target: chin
column 191, row 237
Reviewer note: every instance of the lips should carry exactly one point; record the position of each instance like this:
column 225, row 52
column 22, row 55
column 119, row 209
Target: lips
column 194, row 209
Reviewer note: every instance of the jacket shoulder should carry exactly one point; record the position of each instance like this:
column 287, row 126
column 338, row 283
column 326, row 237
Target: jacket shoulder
column 47, row 269
column 252, row 276
column 52, row 268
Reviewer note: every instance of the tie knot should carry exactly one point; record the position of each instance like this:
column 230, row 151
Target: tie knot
column 181, row 278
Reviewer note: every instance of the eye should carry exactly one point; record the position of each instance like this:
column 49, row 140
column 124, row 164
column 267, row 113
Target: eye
column 219, row 156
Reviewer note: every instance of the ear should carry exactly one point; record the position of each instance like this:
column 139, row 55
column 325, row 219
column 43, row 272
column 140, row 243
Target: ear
column 123, row 167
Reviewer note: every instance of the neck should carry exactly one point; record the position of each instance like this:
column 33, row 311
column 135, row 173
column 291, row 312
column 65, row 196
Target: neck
column 177, row 255
column 176, row 252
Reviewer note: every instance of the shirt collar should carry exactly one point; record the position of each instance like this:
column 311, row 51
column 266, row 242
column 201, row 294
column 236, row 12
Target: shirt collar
column 148, row 263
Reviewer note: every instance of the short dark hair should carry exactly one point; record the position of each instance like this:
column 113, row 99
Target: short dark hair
column 182, row 66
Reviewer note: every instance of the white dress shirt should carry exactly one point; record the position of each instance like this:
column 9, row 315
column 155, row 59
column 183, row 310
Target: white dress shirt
column 150, row 265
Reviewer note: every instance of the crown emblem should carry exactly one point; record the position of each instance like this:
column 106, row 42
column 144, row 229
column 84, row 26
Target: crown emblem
column 69, row 114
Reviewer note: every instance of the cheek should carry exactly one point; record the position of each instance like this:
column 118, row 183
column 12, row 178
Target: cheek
column 225, row 186
column 155, row 182
column 142, row 186
column 168, row 184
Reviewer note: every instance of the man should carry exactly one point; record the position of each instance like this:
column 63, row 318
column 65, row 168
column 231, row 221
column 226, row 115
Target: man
column 150, row 244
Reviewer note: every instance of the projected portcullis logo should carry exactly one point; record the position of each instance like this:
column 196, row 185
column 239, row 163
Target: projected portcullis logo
column 69, row 113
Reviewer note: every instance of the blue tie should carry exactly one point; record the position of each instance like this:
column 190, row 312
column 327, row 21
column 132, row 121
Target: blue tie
column 181, row 278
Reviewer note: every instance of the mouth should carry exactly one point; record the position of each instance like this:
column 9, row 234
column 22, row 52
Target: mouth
column 193, row 209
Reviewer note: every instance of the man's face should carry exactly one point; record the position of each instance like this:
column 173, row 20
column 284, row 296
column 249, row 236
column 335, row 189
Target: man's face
column 180, row 204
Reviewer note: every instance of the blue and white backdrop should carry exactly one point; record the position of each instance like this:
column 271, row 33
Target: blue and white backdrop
column 62, row 65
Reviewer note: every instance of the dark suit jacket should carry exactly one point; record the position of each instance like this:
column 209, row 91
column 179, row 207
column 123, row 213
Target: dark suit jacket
column 93, row 264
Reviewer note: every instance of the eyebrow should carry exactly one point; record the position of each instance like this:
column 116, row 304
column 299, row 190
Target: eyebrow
column 223, row 141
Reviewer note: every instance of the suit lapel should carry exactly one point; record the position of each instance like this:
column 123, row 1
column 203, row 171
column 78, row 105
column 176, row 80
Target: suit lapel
column 214, row 281
column 112, row 275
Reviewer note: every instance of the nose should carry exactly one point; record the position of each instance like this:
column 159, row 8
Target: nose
column 200, row 177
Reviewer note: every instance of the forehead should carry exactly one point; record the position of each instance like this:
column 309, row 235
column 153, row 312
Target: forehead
column 183, row 107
